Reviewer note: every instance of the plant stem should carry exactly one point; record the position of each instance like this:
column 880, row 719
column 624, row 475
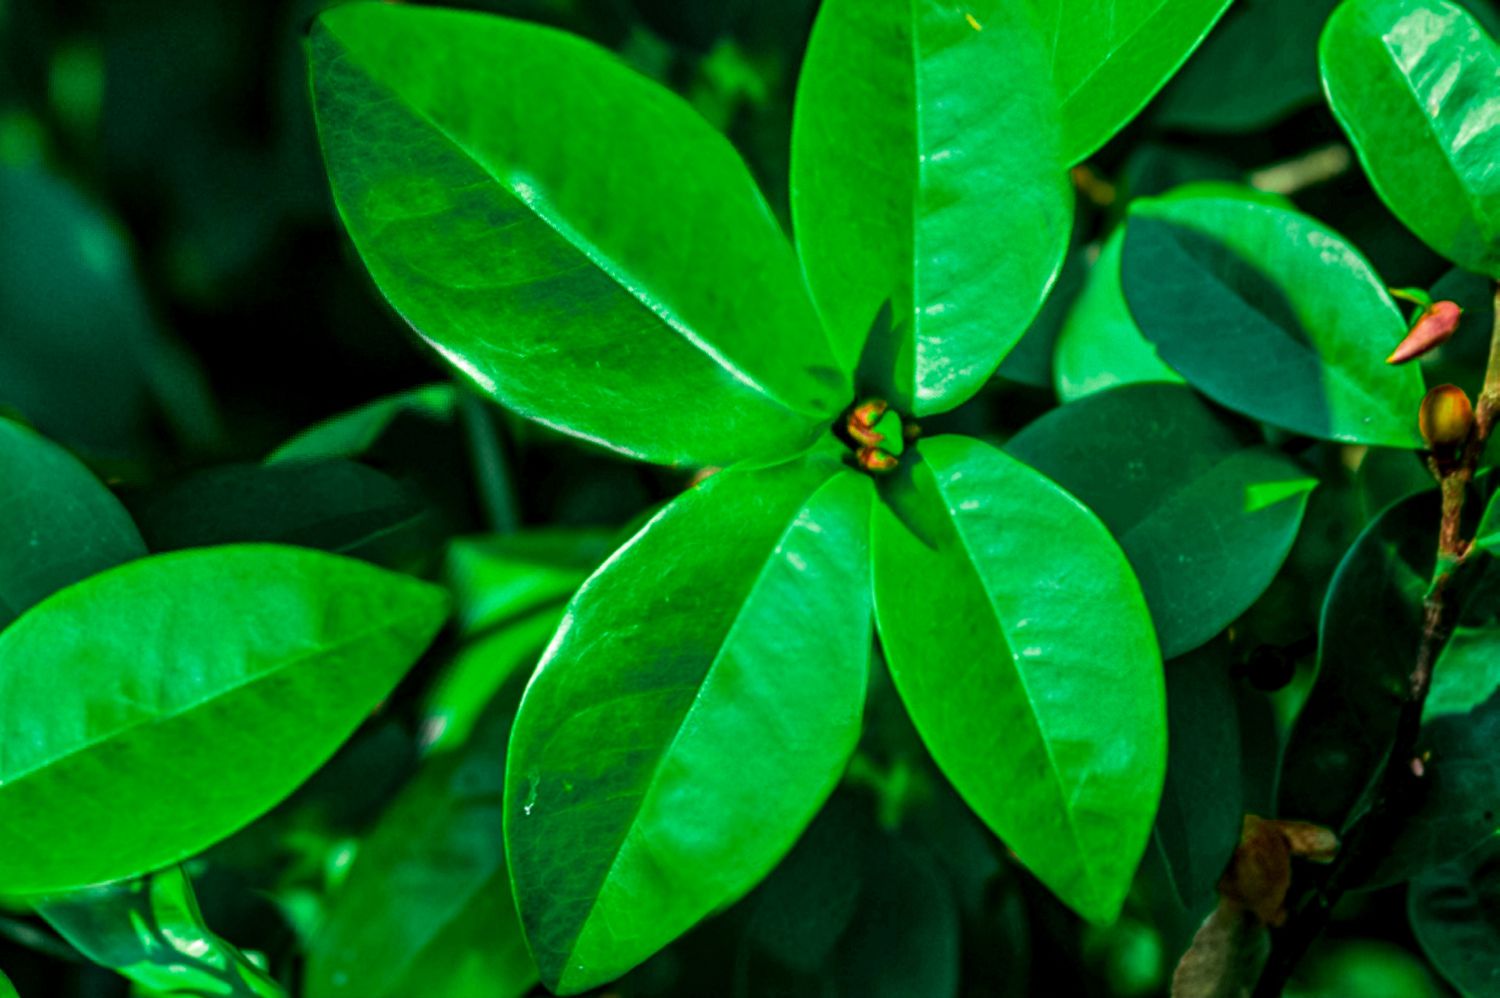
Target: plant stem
column 1373, row 832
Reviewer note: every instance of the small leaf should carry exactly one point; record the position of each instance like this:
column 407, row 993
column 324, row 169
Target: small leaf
column 351, row 434
column 620, row 279
column 1452, row 909
column 927, row 176
column 1023, row 650
column 1110, row 57
column 693, row 712
column 427, row 907
column 1205, row 521
column 1301, row 324
column 151, row 931
column 61, row 525
column 1416, row 85
column 191, row 692
column 496, row 579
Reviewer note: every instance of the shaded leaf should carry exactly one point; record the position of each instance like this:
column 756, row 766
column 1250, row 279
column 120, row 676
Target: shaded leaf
column 1452, row 909
column 1414, row 84
column 350, row 434
column 620, row 279
column 1028, row 665
column 495, row 579
column 910, row 188
column 60, row 524
column 693, row 712
column 190, row 691
column 1205, row 521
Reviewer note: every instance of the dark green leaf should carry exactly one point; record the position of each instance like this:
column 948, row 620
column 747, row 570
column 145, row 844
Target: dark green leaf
column 1205, row 521
column 926, row 174
column 1452, row 910
column 1301, row 324
column 569, row 235
column 338, row 506
column 427, row 908
column 1202, row 804
column 189, row 692
column 1416, row 84
column 59, row 525
column 1109, row 57
column 1258, row 66
column 1022, row 647
column 151, row 931
column 351, row 434
column 691, row 715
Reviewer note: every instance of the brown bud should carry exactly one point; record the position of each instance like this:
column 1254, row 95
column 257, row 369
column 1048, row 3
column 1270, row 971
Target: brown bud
column 875, row 460
column 1434, row 327
column 1446, row 417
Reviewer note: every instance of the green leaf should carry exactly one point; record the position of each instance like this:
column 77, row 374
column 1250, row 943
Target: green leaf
column 1458, row 804
column 1258, row 66
column 335, row 505
column 427, row 908
column 1110, row 57
column 151, row 931
column 1100, row 345
column 351, row 434
column 926, row 175
column 1301, row 324
column 1205, row 521
column 1203, row 802
column 1416, row 85
column 569, row 235
column 691, row 715
column 1452, row 909
column 60, row 523
column 83, row 359
column 7, row 990
column 191, row 692
column 496, row 579
column 1020, row 642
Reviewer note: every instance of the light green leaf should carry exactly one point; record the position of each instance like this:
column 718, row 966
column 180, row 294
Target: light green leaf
column 427, row 908
column 1110, row 57
column 151, row 710
column 1452, row 909
column 694, row 711
column 1416, row 85
column 926, row 175
column 59, row 523
column 1205, row 520
column 1023, row 649
column 1272, row 314
column 351, row 434
column 7, row 990
column 569, row 235
column 151, row 931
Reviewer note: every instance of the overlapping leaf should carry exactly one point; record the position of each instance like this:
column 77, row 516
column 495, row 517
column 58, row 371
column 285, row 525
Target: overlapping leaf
column 1452, row 910
column 692, row 714
column 1023, row 649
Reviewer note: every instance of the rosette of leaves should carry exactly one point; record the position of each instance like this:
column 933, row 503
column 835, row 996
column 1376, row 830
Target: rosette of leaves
column 589, row 252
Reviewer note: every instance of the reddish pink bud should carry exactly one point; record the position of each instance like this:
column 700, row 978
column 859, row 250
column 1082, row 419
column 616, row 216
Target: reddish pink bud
column 1435, row 326
column 875, row 460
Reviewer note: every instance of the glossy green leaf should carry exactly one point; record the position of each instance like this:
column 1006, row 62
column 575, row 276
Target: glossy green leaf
column 338, row 506
column 59, row 523
column 1205, row 520
column 1203, row 802
column 569, row 235
column 191, row 692
column 1110, row 57
column 351, row 434
column 1452, row 909
column 1457, row 807
column 82, row 358
column 1100, row 345
column 151, row 931
column 495, row 579
column 692, row 714
column 912, row 188
column 1416, row 85
column 1258, row 66
column 851, row 912
column 427, row 909
column 1301, row 324
column 1023, row 650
